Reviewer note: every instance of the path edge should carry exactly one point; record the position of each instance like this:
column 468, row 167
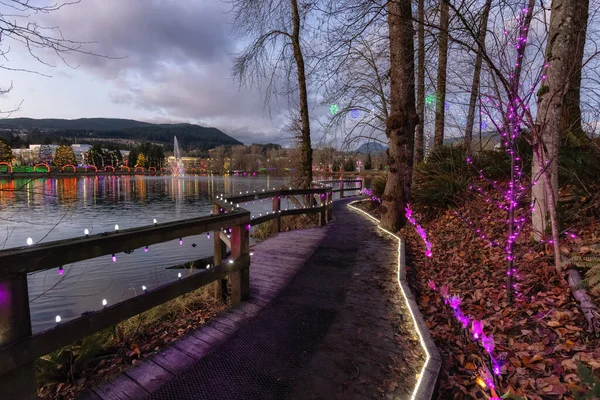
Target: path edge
column 427, row 381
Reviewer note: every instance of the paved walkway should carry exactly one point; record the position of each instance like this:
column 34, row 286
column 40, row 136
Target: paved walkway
column 338, row 329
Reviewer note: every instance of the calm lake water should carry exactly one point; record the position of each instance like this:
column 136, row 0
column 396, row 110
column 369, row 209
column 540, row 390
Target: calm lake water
column 59, row 208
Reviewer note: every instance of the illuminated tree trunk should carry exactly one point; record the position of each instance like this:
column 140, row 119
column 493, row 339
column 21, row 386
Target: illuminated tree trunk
column 305, row 144
column 420, row 133
column 476, row 77
column 400, row 125
column 440, row 108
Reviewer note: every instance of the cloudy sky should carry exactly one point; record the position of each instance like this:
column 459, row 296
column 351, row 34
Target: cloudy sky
column 175, row 67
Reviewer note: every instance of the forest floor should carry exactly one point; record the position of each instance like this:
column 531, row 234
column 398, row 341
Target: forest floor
column 541, row 338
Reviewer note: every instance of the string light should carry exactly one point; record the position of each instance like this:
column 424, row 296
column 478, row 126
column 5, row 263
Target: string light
column 117, row 228
column 86, row 232
column 114, row 258
column 155, row 222
column 144, row 288
column 146, row 249
column 179, row 275
column 104, row 302
column 29, row 241
column 57, row 319
column 60, row 270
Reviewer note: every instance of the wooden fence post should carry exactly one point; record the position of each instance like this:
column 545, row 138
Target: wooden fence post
column 15, row 324
column 323, row 212
column 220, row 250
column 341, row 189
column 329, row 210
column 240, row 253
column 276, row 207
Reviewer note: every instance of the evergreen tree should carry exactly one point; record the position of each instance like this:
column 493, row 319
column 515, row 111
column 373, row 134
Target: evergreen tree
column 64, row 156
column 141, row 161
column 6, row 154
column 349, row 165
column 45, row 154
column 369, row 163
column 95, row 156
column 132, row 158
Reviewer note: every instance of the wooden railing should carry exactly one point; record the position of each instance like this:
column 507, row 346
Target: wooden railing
column 19, row 348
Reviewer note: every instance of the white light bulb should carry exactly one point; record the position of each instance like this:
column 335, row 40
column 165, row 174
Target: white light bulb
column 57, row 319
column 155, row 222
column 230, row 261
column 144, row 288
column 207, row 266
column 86, row 232
column 104, row 302
column 116, row 227
column 251, row 253
column 179, row 275
column 29, row 241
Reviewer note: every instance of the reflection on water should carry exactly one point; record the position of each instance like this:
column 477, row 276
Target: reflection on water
column 60, row 208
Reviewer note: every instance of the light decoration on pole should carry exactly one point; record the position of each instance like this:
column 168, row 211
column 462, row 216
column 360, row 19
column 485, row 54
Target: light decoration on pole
column 117, row 228
column 57, row 319
column 155, row 222
column 61, row 270
column 114, row 258
column 29, row 241
column 86, row 232
column 104, row 302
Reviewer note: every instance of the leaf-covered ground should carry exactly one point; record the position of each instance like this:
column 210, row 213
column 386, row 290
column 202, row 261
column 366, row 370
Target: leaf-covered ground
column 542, row 336
column 138, row 339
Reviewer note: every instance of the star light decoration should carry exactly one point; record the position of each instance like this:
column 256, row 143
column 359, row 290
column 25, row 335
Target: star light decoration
column 334, row 109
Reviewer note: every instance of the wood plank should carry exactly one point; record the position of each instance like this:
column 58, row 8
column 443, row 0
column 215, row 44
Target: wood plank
column 172, row 359
column 120, row 388
column 222, row 327
column 192, row 346
column 250, row 308
column 228, row 322
column 208, row 333
column 148, row 375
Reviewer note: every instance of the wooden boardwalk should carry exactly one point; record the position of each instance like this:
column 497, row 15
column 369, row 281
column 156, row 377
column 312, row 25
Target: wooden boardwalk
column 326, row 320
column 274, row 264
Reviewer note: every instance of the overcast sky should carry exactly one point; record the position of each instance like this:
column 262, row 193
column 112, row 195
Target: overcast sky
column 177, row 68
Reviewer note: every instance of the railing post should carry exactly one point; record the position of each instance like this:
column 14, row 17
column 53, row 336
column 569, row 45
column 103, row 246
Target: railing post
column 240, row 253
column 329, row 210
column 220, row 249
column 276, row 207
column 323, row 212
column 341, row 189
column 15, row 324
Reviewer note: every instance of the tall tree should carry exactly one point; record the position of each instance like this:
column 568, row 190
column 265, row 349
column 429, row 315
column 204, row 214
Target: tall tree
column 400, row 127
column 440, row 107
column 64, row 155
column 6, row 154
column 477, row 75
column 45, row 154
column 564, row 54
column 268, row 23
column 420, row 133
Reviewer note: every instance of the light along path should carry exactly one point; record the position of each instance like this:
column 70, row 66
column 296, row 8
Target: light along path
column 339, row 329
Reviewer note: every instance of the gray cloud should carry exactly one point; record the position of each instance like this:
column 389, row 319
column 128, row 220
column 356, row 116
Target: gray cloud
column 178, row 61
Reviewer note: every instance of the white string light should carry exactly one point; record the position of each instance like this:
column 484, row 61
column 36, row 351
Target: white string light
column 104, row 302
column 29, row 241
column 57, row 319
column 417, row 329
column 86, row 232
column 117, row 228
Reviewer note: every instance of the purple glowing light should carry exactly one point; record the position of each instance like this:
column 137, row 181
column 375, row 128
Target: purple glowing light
column 477, row 329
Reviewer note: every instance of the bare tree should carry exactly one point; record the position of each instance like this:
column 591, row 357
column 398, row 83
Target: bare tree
column 477, row 75
column 564, row 58
column 403, row 115
column 275, row 28
column 420, row 133
column 440, row 107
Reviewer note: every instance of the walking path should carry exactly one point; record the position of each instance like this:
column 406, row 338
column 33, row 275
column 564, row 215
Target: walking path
column 326, row 319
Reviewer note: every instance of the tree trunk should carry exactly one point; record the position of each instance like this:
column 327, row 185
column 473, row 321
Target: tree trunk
column 403, row 117
column 476, row 77
column 305, row 145
column 420, row 134
column 561, row 50
column 570, row 124
column 440, row 107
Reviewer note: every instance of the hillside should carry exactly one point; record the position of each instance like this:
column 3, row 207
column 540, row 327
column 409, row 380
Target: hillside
column 371, row 147
column 190, row 137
